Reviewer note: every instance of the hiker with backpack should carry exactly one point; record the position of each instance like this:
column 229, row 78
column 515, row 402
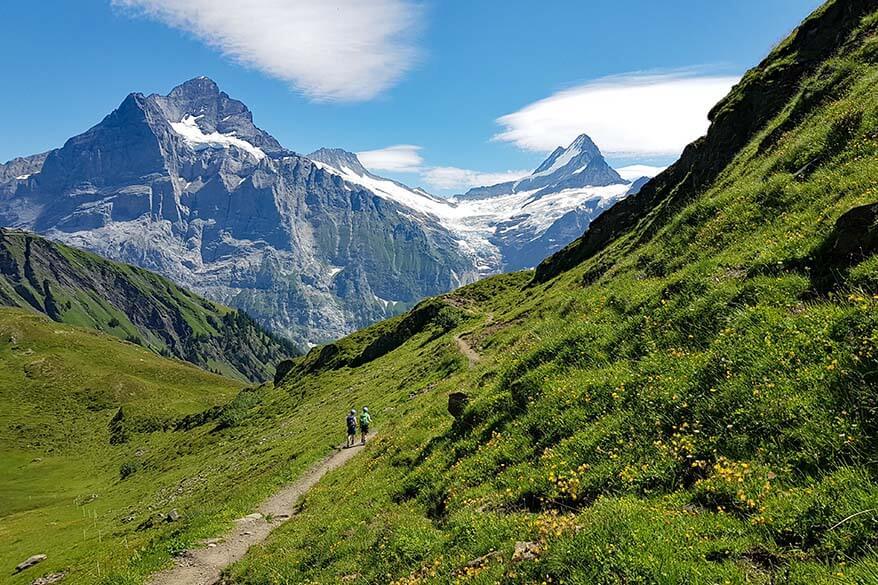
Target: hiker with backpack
column 365, row 421
column 351, row 421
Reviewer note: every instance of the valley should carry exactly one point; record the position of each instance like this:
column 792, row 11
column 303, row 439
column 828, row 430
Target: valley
column 311, row 247
column 680, row 388
column 75, row 287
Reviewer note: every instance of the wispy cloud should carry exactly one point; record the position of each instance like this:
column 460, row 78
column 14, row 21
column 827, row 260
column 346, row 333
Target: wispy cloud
column 634, row 172
column 406, row 158
column 344, row 50
column 635, row 114
column 402, row 158
column 453, row 178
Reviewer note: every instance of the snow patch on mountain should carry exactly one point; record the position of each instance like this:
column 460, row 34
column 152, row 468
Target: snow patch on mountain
column 387, row 189
column 197, row 139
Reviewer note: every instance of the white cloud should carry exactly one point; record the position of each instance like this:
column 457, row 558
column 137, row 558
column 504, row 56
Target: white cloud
column 343, row 50
column 449, row 178
column 402, row 158
column 406, row 158
column 634, row 172
column 637, row 114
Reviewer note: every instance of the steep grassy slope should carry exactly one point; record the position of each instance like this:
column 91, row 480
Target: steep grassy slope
column 692, row 401
column 75, row 287
column 762, row 94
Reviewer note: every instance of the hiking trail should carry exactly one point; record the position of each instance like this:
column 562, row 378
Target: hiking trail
column 203, row 566
column 466, row 349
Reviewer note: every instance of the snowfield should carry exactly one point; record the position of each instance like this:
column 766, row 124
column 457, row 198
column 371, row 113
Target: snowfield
column 480, row 223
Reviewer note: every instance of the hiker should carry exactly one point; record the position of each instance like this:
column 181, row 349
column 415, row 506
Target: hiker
column 365, row 420
column 351, row 421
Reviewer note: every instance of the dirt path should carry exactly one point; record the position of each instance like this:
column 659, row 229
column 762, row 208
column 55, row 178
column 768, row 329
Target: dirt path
column 467, row 350
column 203, row 566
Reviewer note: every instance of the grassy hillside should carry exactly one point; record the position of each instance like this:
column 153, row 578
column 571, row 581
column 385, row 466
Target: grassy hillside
column 192, row 443
column 690, row 398
column 79, row 288
column 60, row 387
column 694, row 400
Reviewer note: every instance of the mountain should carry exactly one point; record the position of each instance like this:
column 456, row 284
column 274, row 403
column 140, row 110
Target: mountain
column 513, row 225
column 555, row 204
column 579, row 165
column 186, row 185
column 692, row 399
column 72, row 286
column 312, row 246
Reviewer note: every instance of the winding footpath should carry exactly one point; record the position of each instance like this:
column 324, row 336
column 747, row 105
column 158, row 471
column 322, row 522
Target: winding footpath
column 204, row 566
column 466, row 349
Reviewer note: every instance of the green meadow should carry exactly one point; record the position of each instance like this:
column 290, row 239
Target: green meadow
column 695, row 402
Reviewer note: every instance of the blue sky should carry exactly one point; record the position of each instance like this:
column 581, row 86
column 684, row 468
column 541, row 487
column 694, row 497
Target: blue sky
column 465, row 91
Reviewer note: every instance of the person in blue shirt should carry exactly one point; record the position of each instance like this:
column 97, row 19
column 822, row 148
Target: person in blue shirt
column 351, row 421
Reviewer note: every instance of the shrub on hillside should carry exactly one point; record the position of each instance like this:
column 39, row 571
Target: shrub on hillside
column 118, row 429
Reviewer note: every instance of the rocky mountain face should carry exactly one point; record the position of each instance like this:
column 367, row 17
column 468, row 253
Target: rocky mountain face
column 186, row 185
column 313, row 246
column 76, row 287
column 20, row 169
column 17, row 172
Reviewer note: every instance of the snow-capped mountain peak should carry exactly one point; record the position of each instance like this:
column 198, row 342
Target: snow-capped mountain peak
column 514, row 228
column 579, row 165
column 198, row 107
column 582, row 150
